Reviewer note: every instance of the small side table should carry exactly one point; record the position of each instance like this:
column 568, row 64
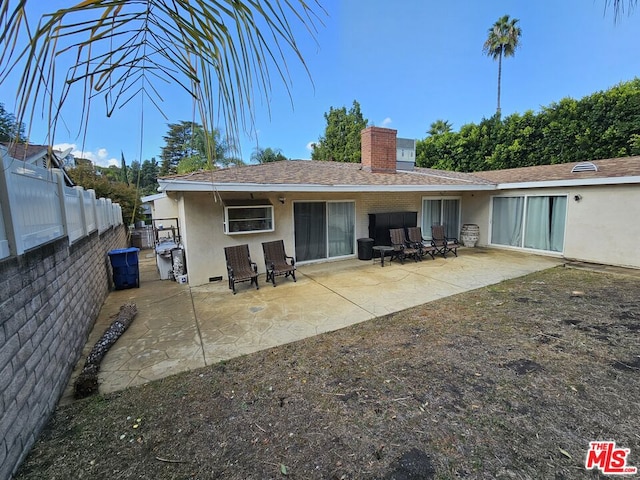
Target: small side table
column 382, row 251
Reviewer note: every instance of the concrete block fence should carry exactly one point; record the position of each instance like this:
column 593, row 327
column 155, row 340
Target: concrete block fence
column 50, row 298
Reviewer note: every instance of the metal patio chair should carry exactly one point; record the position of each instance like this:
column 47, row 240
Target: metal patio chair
column 414, row 235
column 240, row 268
column 401, row 248
column 277, row 261
column 441, row 242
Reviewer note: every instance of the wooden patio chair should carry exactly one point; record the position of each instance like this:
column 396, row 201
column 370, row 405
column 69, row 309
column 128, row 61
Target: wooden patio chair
column 401, row 248
column 240, row 268
column 414, row 235
column 277, row 261
column 441, row 242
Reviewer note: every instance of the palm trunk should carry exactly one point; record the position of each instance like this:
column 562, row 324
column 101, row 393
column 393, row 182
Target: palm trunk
column 498, row 111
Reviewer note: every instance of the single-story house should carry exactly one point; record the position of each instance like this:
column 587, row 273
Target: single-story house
column 587, row 211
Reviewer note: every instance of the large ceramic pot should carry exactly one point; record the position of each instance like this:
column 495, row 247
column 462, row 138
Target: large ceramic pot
column 469, row 234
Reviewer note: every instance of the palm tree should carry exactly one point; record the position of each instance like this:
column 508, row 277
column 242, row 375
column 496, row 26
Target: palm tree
column 439, row 127
column 221, row 53
column 502, row 41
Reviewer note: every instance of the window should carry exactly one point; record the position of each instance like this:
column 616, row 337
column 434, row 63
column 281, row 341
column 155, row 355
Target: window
column 441, row 211
column 535, row 222
column 248, row 219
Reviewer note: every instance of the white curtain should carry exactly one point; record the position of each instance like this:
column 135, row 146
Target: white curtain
column 450, row 217
column 431, row 210
column 341, row 228
column 538, row 226
column 506, row 224
column 558, row 217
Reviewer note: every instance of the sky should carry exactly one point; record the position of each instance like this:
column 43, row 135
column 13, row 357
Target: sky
column 408, row 63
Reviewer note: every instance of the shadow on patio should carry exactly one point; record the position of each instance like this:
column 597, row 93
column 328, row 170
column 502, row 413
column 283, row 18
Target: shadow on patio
column 180, row 328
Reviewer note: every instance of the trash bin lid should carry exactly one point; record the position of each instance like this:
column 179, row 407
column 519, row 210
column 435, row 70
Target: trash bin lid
column 119, row 251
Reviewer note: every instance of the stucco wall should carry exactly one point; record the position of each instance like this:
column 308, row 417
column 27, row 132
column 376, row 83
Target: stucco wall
column 601, row 228
column 204, row 239
column 49, row 300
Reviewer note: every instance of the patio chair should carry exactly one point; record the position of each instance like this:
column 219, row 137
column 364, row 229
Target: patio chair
column 240, row 267
column 441, row 242
column 276, row 262
column 401, row 248
column 414, row 235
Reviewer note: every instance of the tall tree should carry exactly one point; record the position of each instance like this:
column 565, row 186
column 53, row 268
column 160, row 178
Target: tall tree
column 502, row 41
column 341, row 139
column 267, row 155
column 10, row 129
column 188, row 144
column 217, row 52
column 439, row 127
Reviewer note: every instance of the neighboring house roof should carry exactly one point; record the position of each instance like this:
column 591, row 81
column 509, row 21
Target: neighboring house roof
column 609, row 171
column 308, row 175
column 25, row 152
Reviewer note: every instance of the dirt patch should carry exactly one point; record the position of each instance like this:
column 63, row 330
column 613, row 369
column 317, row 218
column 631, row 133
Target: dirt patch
column 482, row 385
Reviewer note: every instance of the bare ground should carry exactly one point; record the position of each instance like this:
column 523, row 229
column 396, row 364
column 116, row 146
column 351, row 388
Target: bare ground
column 510, row 381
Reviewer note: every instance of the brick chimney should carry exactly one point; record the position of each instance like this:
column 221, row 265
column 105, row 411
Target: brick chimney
column 378, row 149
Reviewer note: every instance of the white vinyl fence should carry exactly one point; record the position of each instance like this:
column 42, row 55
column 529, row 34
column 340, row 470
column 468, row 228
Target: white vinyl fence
column 36, row 207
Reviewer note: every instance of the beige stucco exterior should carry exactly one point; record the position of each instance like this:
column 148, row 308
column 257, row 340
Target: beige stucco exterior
column 601, row 226
column 204, row 238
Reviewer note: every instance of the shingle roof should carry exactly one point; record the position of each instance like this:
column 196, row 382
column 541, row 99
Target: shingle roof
column 350, row 176
column 610, row 168
column 22, row 151
column 309, row 172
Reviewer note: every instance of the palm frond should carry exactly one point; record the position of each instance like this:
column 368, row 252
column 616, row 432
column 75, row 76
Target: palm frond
column 221, row 53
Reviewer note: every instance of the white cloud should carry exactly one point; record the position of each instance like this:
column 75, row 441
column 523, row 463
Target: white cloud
column 386, row 122
column 99, row 157
column 310, row 145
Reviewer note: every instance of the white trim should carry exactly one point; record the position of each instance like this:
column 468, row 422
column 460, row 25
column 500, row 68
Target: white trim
column 153, row 198
column 569, row 183
column 182, row 186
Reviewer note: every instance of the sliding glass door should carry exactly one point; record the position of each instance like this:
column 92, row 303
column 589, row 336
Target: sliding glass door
column 441, row 211
column 536, row 222
column 323, row 230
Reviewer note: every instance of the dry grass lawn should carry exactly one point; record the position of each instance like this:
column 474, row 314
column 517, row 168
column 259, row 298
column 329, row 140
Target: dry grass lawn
column 510, row 381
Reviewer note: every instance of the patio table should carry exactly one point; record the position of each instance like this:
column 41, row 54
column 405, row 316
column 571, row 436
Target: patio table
column 382, row 251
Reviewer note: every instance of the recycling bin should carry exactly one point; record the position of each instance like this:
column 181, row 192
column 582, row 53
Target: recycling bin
column 126, row 271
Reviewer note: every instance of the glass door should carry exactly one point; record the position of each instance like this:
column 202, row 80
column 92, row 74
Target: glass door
column 324, row 230
column 441, row 211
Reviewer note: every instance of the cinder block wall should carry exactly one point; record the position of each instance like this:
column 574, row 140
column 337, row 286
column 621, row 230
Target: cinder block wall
column 49, row 300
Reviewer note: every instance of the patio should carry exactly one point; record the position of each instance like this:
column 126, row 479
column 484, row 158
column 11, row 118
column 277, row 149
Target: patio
column 179, row 328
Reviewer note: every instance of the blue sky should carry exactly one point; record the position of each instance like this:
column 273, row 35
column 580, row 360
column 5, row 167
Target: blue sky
column 408, row 63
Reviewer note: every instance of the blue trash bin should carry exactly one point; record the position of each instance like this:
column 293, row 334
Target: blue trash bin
column 126, row 271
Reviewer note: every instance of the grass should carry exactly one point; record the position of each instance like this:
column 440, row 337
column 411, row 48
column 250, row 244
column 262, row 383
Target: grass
column 508, row 381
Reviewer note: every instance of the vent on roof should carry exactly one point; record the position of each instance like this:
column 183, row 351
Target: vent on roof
column 584, row 167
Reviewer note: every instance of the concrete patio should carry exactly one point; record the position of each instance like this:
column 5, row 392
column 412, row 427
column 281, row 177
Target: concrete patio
column 180, row 328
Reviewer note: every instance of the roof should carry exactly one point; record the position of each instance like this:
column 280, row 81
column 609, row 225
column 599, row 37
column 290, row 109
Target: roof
column 309, row 175
column 24, row 151
column 610, row 171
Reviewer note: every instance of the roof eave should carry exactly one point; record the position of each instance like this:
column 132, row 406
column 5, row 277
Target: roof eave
column 191, row 186
column 582, row 182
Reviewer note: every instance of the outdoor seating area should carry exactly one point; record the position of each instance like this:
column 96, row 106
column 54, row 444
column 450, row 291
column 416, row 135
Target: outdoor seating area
column 190, row 327
column 401, row 247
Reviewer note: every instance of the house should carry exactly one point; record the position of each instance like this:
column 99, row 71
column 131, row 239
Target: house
column 587, row 211
column 39, row 155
